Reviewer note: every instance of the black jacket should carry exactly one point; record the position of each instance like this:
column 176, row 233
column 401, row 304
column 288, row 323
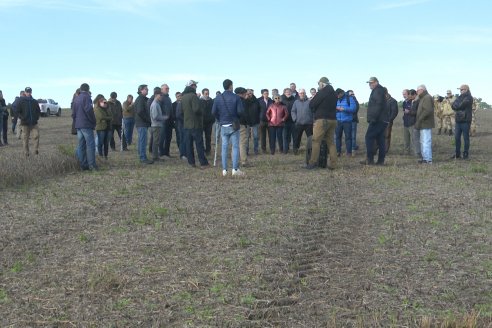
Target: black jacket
column 251, row 114
column 464, row 103
column 324, row 104
column 288, row 102
column 392, row 108
column 142, row 117
column 376, row 109
column 207, row 105
column 29, row 111
column 264, row 107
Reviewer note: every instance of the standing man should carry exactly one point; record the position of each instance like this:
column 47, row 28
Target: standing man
column 288, row 100
column 254, row 119
column 117, row 111
column 193, row 125
column 142, row 122
column 85, row 123
column 303, row 119
column 355, row 121
column 312, row 91
column 345, row 115
column 4, row 114
column 392, row 108
column 227, row 108
column 208, row 119
column 166, row 134
column 264, row 102
column 448, row 113
column 463, row 106
column 15, row 114
column 408, row 122
column 425, row 123
column 179, row 126
column 377, row 117
column 29, row 113
column 293, row 90
column 157, row 122
column 324, row 107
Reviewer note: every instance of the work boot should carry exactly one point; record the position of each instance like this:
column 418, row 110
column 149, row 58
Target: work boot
column 450, row 132
column 465, row 155
column 439, row 131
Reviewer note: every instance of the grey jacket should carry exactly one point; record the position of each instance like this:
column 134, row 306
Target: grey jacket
column 156, row 117
column 301, row 113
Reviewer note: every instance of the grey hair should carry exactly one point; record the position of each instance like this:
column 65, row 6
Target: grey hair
column 422, row 86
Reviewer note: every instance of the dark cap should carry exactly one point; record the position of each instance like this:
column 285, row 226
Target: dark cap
column 28, row 90
column 240, row 90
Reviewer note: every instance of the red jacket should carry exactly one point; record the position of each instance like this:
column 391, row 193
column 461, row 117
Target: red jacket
column 277, row 114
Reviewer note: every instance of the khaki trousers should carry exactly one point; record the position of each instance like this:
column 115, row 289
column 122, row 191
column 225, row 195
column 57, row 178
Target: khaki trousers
column 27, row 132
column 324, row 130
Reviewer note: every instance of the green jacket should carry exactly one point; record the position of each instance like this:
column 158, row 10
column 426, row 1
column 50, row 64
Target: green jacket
column 103, row 118
column 425, row 112
column 192, row 111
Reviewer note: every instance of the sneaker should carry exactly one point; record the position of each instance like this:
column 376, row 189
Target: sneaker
column 455, row 156
column 147, row 161
column 184, row 158
column 224, row 173
column 367, row 162
column 423, row 161
column 238, row 173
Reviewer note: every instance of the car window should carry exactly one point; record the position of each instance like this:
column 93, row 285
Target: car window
column 42, row 101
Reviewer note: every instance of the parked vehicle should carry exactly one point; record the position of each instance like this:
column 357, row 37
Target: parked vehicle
column 49, row 107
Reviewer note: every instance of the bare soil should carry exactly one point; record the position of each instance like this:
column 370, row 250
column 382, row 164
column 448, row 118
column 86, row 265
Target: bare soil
column 166, row 245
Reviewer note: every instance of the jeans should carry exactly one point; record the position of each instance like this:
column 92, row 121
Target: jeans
column 354, row 136
column 86, row 149
column 112, row 142
column 5, row 128
column 376, row 135
column 254, row 131
column 142, row 143
column 103, row 137
column 287, row 135
column 196, row 136
column 300, row 129
column 323, row 130
column 426, row 144
column 129, row 125
column 344, row 128
column 275, row 134
column 462, row 128
column 227, row 134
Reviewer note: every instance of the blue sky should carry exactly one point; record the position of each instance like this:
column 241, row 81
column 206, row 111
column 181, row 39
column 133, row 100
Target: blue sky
column 115, row 45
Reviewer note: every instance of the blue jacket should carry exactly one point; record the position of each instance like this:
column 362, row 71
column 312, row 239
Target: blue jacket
column 349, row 106
column 83, row 112
column 227, row 107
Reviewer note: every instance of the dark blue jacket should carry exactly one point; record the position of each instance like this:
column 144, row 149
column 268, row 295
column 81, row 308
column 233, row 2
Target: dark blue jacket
column 83, row 112
column 227, row 107
column 408, row 119
column 376, row 108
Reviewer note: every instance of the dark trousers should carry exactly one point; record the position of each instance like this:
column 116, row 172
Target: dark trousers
column 263, row 131
column 180, row 138
column 376, row 132
column 103, row 137
column 112, row 142
column 299, row 130
column 276, row 134
column 344, row 128
column 5, row 128
column 288, row 132
column 459, row 129
column 165, row 138
column 207, row 131
column 195, row 136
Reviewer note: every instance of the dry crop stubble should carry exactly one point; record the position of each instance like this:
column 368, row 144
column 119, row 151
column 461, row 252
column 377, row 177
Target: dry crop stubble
column 167, row 245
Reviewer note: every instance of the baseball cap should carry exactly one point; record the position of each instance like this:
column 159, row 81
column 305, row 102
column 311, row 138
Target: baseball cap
column 372, row 79
column 324, row 79
column 28, row 90
column 191, row 82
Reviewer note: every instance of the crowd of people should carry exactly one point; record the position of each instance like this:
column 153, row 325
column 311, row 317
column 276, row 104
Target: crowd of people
column 238, row 116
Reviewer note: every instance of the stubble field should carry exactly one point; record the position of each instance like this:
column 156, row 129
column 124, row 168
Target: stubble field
column 166, row 245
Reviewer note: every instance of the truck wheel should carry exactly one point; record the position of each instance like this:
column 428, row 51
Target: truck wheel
column 48, row 112
column 59, row 112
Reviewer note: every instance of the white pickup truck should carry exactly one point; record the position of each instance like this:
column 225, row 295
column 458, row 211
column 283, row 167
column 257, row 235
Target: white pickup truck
column 49, row 107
